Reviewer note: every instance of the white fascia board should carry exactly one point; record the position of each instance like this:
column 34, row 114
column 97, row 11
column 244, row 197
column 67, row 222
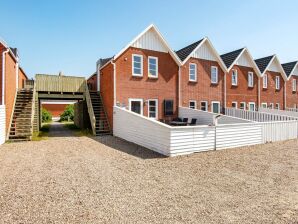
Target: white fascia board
column 234, row 62
column 282, row 71
column 296, row 66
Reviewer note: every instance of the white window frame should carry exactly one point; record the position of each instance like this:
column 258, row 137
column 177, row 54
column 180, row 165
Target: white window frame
column 236, row 103
column 213, row 102
column 250, row 79
column 196, row 75
column 216, row 68
column 205, row 106
column 244, row 103
column 271, row 105
column 277, row 106
column 294, row 85
column 277, row 82
column 156, row 109
column 264, row 105
column 251, row 103
column 132, row 65
column 152, row 76
column 234, row 71
column 265, row 84
column 192, row 101
column 138, row 100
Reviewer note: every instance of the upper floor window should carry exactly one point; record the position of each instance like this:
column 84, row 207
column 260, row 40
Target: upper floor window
column 152, row 67
column 250, row 79
column 294, row 85
column 137, row 65
column 265, row 81
column 192, row 72
column 234, row 77
column 277, row 82
column 214, row 74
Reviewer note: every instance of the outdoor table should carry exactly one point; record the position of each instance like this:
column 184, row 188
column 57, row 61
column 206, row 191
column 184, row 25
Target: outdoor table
column 178, row 123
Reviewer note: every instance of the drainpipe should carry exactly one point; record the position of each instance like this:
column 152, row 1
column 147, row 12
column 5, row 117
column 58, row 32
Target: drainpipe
column 259, row 93
column 225, row 91
column 114, row 75
column 179, row 87
column 285, row 96
column 17, row 74
column 3, row 75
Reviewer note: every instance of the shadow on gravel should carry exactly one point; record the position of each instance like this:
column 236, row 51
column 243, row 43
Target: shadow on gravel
column 127, row 147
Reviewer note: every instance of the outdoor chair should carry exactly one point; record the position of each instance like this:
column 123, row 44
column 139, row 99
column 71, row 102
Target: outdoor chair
column 185, row 120
column 193, row 121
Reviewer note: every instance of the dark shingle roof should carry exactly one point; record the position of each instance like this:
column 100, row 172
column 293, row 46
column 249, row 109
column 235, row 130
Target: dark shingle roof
column 262, row 63
column 103, row 61
column 14, row 51
column 288, row 67
column 184, row 52
column 230, row 57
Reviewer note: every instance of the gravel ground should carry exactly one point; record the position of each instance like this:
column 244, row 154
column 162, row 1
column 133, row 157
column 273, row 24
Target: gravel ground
column 107, row 180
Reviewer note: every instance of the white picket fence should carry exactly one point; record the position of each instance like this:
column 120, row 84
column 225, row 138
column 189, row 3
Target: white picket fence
column 2, row 124
column 279, row 112
column 172, row 141
column 292, row 109
column 257, row 115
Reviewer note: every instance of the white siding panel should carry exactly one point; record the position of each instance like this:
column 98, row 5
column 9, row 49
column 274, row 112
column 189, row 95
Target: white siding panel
column 244, row 60
column 279, row 131
column 2, row 124
column 295, row 72
column 204, row 52
column 274, row 66
column 150, row 41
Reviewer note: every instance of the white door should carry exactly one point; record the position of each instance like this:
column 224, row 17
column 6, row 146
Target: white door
column 136, row 105
column 252, row 106
column 215, row 107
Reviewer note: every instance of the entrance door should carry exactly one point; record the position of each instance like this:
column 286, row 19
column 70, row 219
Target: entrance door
column 252, row 106
column 136, row 105
column 215, row 107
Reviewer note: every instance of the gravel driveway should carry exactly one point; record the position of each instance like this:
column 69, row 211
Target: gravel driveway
column 107, row 180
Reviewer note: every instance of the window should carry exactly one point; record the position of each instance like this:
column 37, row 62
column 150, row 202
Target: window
column 264, row 105
column 265, row 81
column 214, row 75
column 137, row 65
column 153, row 109
column 192, row 104
column 192, row 72
column 234, row 78
column 277, row 106
column 136, row 105
column 277, row 82
column 250, row 79
column 271, row 106
column 215, row 107
column 234, row 105
column 242, row 106
column 204, row 105
column 294, row 85
column 152, row 67
column 251, row 106
column 168, row 107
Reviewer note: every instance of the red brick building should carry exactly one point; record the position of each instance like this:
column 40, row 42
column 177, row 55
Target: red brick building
column 272, row 84
column 291, row 69
column 56, row 108
column 202, row 77
column 242, row 80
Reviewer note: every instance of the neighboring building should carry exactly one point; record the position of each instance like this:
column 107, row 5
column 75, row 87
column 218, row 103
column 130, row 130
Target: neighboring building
column 291, row 70
column 202, row 77
column 56, row 108
column 272, row 85
column 142, row 77
column 242, row 80
column 92, row 82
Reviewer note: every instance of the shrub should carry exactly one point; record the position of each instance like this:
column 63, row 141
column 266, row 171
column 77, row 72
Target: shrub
column 68, row 113
column 46, row 116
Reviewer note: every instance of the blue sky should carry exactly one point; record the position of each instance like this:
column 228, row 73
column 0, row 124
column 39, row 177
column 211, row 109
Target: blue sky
column 70, row 35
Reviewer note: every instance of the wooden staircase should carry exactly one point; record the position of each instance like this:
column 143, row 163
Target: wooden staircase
column 21, row 124
column 102, row 126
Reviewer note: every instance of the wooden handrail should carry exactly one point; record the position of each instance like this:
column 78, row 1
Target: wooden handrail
column 33, row 107
column 90, row 109
column 11, row 115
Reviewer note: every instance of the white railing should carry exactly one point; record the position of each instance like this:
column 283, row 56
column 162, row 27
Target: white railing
column 33, row 109
column 292, row 109
column 90, row 109
column 291, row 113
column 2, row 124
column 171, row 141
column 257, row 116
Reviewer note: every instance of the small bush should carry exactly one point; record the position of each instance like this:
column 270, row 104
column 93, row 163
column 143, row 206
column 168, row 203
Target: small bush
column 46, row 116
column 68, row 114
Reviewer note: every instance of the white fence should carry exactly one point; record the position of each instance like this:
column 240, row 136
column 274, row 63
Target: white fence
column 171, row 141
column 257, row 116
column 279, row 112
column 2, row 124
column 292, row 109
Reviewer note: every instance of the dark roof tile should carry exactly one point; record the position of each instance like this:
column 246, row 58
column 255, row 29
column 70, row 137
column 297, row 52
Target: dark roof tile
column 230, row 57
column 288, row 67
column 186, row 51
column 262, row 63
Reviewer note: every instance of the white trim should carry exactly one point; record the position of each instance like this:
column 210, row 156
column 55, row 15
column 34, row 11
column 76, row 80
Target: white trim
column 114, row 74
column 265, row 75
column 155, row 58
column 132, row 65
column 264, row 104
column 214, row 102
column 244, row 103
column 235, row 102
column 251, row 85
column 3, row 75
column 236, row 73
column 296, row 65
column 283, row 74
column 192, row 101
column 251, row 103
column 204, row 101
column 277, row 106
column 137, row 100
column 216, row 74
column 277, row 82
column 294, row 87
column 271, row 105
column 156, row 108
column 196, row 75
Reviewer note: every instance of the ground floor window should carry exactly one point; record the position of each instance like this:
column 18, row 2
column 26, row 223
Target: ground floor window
column 271, row 106
column 136, row 105
column 277, row 106
column 215, row 107
column 204, row 105
column 192, row 104
column 264, row 105
column 168, row 107
column 252, row 106
column 242, row 106
column 234, row 105
column 153, row 108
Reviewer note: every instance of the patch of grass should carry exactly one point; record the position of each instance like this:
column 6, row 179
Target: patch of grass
column 77, row 131
column 43, row 133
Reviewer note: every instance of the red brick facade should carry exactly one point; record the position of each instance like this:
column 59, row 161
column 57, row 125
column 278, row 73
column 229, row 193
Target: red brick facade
column 55, row 109
column 292, row 96
column 92, row 82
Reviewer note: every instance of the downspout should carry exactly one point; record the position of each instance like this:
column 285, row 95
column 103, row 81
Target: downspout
column 17, row 74
column 225, row 91
column 3, row 75
column 285, row 96
column 114, row 75
column 259, row 93
column 179, row 86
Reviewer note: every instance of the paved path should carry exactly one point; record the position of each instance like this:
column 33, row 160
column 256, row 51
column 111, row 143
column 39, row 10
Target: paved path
column 58, row 129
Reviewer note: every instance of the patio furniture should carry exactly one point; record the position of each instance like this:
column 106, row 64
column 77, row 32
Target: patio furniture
column 178, row 123
column 185, row 120
column 177, row 119
column 193, row 121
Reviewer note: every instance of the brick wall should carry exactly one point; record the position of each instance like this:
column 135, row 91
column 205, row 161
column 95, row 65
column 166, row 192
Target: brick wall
column 55, row 109
column 22, row 78
column 203, row 89
column 292, row 97
column 92, row 83
column 1, row 51
column 241, row 92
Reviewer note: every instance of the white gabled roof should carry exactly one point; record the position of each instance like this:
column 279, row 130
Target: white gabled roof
column 275, row 66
